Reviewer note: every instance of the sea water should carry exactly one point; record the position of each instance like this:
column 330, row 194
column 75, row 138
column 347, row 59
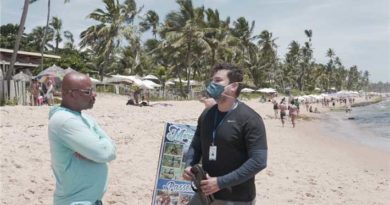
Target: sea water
column 368, row 125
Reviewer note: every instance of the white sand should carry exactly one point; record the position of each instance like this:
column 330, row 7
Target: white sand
column 304, row 167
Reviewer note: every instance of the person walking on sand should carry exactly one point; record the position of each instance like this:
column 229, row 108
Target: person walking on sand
column 230, row 139
column 283, row 108
column 276, row 108
column 293, row 113
column 79, row 147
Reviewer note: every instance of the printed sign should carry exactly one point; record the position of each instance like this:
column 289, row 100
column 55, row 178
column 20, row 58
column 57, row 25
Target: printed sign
column 170, row 187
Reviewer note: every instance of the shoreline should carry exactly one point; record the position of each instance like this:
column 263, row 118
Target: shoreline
column 305, row 166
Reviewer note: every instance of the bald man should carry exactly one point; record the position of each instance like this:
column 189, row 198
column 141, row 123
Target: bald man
column 79, row 147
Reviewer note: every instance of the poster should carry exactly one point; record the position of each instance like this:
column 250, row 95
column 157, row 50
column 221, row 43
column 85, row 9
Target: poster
column 170, row 188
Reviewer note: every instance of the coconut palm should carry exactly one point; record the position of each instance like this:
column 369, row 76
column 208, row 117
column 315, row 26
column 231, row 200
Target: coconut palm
column 56, row 24
column 305, row 65
column 151, row 21
column 105, row 36
column 69, row 36
column 267, row 56
column 36, row 40
column 10, row 71
column 183, row 28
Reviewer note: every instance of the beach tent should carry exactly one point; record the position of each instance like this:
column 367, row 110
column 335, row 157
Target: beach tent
column 247, row 90
column 150, row 83
column 266, row 90
column 169, row 83
column 150, row 77
column 22, row 77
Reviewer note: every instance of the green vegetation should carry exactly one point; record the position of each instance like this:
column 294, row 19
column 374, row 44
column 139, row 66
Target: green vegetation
column 185, row 45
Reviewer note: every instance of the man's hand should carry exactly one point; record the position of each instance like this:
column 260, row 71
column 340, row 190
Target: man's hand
column 210, row 185
column 187, row 174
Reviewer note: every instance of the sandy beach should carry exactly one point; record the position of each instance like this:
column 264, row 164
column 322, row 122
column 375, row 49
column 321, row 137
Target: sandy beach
column 305, row 165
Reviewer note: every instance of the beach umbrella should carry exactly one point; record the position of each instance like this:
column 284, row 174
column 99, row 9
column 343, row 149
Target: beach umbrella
column 247, row 90
column 192, row 82
column 94, row 81
column 266, row 90
column 116, row 79
column 21, row 77
column 151, row 84
column 150, row 77
column 169, row 83
column 53, row 71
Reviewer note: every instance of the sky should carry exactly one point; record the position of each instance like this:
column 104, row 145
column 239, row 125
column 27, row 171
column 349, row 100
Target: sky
column 357, row 30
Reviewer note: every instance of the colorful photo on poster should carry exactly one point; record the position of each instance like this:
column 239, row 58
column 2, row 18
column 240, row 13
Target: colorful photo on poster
column 170, row 188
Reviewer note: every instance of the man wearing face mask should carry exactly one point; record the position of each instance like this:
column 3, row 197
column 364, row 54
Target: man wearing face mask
column 230, row 139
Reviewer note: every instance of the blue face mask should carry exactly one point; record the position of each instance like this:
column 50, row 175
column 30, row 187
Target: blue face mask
column 215, row 90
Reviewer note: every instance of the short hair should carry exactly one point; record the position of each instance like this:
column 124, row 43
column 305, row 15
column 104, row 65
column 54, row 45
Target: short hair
column 235, row 74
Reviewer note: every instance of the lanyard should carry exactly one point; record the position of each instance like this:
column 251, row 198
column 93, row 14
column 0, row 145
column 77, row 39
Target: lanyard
column 215, row 120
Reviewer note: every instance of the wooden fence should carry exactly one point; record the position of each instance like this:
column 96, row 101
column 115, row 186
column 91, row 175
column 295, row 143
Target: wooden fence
column 17, row 94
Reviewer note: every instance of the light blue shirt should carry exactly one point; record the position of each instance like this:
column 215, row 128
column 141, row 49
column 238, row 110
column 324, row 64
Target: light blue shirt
column 78, row 179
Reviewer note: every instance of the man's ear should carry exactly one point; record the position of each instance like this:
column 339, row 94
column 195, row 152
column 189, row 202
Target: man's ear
column 235, row 85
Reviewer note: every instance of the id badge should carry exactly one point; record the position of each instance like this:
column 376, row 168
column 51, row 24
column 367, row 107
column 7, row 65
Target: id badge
column 213, row 153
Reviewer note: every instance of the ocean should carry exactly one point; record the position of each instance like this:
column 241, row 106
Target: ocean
column 370, row 124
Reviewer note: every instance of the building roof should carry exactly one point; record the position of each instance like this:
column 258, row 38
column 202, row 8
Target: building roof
column 29, row 53
column 20, row 64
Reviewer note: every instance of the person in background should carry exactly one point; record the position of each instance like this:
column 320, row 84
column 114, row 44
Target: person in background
column 50, row 92
column 283, row 108
column 293, row 110
column 276, row 108
column 230, row 139
column 34, row 92
column 79, row 147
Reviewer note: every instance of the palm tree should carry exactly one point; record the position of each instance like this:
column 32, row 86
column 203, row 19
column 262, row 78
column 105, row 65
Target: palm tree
column 36, row 40
column 47, row 28
column 151, row 21
column 69, row 36
column 10, row 71
column 183, row 29
column 56, row 23
column 307, row 56
column 105, row 36
column 330, row 67
column 267, row 55
column 216, row 35
column 292, row 60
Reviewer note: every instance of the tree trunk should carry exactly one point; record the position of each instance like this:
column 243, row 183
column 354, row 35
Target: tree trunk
column 17, row 42
column 44, row 35
column 188, row 60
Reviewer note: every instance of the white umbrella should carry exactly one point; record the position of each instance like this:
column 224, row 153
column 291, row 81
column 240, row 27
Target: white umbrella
column 150, row 77
column 247, row 90
column 192, row 82
column 94, row 80
column 169, row 83
column 151, row 84
column 266, row 90
column 118, row 79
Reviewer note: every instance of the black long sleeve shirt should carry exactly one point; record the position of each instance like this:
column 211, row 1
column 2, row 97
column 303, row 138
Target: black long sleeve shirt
column 241, row 150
